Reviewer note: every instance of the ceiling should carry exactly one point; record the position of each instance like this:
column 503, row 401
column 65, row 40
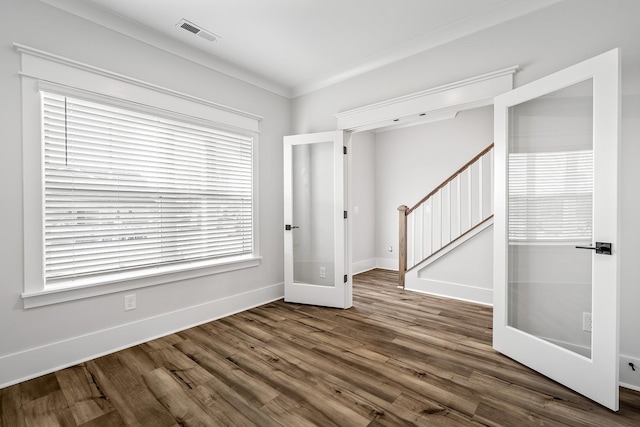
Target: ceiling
column 293, row 47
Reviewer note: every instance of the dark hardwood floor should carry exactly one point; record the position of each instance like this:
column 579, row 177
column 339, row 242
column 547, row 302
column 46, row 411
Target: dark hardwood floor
column 396, row 358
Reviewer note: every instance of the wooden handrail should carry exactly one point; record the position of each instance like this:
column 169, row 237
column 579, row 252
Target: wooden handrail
column 404, row 212
column 451, row 178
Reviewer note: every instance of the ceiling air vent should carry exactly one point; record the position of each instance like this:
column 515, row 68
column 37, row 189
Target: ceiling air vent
column 199, row 31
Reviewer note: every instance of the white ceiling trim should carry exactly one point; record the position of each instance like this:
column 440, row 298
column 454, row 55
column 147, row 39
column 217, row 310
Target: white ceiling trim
column 438, row 103
column 489, row 18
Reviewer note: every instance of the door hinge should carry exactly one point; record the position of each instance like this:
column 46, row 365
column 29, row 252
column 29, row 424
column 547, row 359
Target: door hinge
column 344, row 149
column 345, row 278
column 345, row 214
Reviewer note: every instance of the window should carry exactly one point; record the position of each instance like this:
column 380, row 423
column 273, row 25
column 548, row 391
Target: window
column 126, row 190
column 551, row 196
column 127, row 184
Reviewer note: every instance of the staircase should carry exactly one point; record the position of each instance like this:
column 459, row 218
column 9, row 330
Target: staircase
column 456, row 210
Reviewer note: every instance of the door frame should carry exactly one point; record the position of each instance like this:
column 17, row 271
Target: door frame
column 433, row 104
column 576, row 372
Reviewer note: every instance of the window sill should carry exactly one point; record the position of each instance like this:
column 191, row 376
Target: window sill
column 121, row 282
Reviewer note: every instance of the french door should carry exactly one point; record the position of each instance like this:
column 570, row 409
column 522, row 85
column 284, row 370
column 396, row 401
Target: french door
column 556, row 231
column 316, row 270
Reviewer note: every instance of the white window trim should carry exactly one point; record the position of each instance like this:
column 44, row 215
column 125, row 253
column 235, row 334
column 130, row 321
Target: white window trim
column 41, row 70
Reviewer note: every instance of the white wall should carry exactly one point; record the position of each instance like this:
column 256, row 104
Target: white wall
column 313, row 204
column 543, row 42
column 40, row 339
column 410, row 162
column 443, row 275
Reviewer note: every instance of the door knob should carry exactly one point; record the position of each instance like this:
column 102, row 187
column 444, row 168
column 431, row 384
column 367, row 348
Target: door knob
column 289, row 227
column 603, row 248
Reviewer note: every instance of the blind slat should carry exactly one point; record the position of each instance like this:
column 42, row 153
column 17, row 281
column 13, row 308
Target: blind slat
column 127, row 190
column 551, row 196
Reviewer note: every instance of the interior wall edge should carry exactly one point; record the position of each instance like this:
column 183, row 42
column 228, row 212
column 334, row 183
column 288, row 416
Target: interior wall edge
column 458, row 291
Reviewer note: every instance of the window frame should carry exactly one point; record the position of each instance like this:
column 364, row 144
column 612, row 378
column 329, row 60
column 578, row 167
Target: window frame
column 42, row 71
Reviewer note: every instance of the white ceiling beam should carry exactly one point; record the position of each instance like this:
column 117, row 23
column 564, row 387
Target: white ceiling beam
column 437, row 103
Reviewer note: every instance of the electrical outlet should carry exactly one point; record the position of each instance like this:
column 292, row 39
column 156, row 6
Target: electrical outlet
column 323, row 272
column 129, row 302
column 586, row 322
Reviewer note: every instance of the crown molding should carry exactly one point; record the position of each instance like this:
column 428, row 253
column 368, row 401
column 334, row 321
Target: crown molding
column 161, row 41
column 421, row 44
column 122, row 25
column 438, row 103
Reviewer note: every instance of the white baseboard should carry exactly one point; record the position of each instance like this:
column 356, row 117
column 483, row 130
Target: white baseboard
column 450, row 290
column 32, row 363
column 387, row 263
column 362, row 266
column 628, row 377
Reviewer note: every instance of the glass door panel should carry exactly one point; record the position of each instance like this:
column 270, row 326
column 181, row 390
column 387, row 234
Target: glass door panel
column 550, row 212
column 313, row 197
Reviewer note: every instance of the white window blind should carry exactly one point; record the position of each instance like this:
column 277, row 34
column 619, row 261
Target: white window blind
column 551, row 196
column 128, row 190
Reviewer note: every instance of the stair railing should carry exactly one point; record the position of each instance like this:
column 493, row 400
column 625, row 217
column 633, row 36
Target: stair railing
column 461, row 203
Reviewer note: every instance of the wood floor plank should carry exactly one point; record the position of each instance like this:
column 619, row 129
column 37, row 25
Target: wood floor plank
column 324, row 384
column 183, row 406
column 384, row 410
column 303, row 390
column 137, row 360
column 203, row 335
column 250, row 388
column 11, row 407
column 499, row 414
column 315, row 361
column 630, row 405
column 51, row 409
column 397, row 358
column 417, row 383
column 220, row 395
column 496, row 369
column 431, row 413
column 128, row 393
column 110, row 419
column 287, row 412
column 86, row 400
column 188, row 372
column 38, row 387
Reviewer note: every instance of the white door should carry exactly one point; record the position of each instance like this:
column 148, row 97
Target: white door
column 315, row 238
column 556, row 159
